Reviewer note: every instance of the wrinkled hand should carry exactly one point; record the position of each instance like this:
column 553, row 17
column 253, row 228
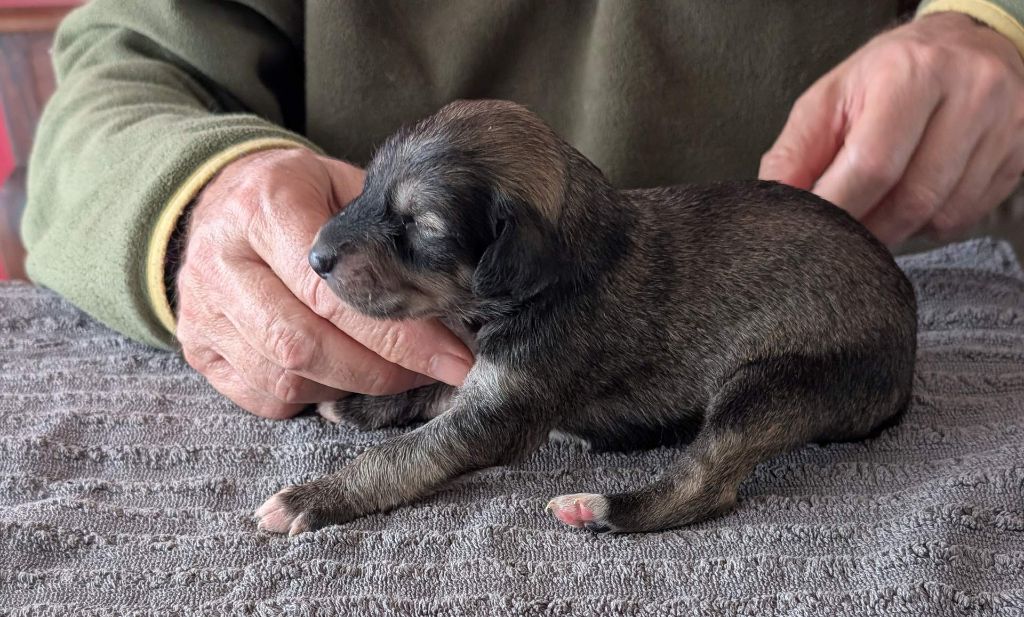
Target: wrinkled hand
column 922, row 128
column 258, row 323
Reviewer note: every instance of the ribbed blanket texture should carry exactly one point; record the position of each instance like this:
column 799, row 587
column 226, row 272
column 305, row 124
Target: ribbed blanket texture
column 127, row 486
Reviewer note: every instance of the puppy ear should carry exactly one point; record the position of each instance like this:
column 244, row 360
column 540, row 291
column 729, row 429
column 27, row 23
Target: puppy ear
column 520, row 262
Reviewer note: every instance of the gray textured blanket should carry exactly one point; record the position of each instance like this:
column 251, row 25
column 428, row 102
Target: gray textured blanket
column 126, row 486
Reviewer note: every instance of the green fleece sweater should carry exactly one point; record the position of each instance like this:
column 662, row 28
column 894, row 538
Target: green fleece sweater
column 154, row 97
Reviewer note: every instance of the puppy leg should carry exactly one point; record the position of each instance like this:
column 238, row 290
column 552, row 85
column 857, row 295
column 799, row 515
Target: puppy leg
column 702, row 484
column 763, row 410
column 374, row 412
column 407, row 467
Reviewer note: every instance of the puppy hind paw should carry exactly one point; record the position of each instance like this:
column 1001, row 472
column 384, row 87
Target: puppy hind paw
column 584, row 510
column 366, row 413
column 352, row 411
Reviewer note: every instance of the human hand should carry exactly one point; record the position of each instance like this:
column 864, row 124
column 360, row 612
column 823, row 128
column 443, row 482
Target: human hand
column 255, row 319
column 920, row 129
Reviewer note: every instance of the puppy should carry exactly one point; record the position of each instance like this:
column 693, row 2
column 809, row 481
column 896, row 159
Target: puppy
column 744, row 318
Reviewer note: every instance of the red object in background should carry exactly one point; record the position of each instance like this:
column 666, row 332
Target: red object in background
column 26, row 81
column 36, row 4
column 6, row 154
column 6, row 167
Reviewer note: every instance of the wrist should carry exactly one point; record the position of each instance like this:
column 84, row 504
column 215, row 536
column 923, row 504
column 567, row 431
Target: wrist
column 161, row 265
column 982, row 13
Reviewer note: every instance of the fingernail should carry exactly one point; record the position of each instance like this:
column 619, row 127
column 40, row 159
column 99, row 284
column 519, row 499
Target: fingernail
column 449, row 369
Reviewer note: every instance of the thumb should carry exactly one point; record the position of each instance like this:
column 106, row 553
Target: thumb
column 346, row 180
column 809, row 140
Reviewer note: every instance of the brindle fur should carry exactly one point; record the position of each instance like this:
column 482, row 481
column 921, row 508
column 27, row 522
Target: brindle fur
column 747, row 318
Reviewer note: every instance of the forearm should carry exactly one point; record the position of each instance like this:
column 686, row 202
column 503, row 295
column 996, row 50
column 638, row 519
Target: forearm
column 132, row 133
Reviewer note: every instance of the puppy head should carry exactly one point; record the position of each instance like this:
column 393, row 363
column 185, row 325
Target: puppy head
column 457, row 210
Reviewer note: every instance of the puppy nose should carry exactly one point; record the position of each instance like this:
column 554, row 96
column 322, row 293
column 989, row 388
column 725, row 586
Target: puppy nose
column 322, row 261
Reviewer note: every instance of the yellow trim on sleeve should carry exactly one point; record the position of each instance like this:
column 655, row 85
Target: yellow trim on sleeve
column 156, row 255
column 993, row 15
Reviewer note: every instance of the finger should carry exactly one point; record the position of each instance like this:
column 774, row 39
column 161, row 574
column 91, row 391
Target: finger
column 967, row 204
column 291, row 336
column 877, row 149
column 226, row 380
column 997, row 189
column 412, row 344
column 1006, row 181
column 938, row 164
column 346, row 181
column 809, row 140
column 264, row 376
column 424, row 346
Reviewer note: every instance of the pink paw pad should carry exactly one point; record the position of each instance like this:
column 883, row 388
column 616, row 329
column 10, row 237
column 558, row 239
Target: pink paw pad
column 579, row 510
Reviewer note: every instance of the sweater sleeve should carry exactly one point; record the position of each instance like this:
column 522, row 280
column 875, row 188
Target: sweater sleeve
column 1004, row 16
column 153, row 98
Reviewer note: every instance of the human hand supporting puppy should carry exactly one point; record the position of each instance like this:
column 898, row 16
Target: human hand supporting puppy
column 258, row 323
column 921, row 129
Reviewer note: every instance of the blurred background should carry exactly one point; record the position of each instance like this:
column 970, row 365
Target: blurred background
column 26, row 81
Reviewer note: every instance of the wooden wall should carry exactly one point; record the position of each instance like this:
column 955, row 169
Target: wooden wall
column 26, row 82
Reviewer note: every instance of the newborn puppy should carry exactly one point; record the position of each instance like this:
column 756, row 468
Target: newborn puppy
column 746, row 318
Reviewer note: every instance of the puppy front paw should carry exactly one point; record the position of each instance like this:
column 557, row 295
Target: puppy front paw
column 276, row 516
column 367, row 413
column 586, row 510
column 297, row 509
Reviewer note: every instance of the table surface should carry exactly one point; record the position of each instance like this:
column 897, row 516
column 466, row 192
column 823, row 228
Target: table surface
column 126, row 484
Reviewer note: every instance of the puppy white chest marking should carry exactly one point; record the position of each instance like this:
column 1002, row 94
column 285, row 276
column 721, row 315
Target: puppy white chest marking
column 490, row 382
column 559, row 436
column 487, row 382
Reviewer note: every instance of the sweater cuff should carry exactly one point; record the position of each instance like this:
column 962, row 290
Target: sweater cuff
column 989, row 13
column 156, row 254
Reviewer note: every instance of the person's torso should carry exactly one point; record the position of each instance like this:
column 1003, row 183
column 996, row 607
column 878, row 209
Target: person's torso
column 654, row 92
